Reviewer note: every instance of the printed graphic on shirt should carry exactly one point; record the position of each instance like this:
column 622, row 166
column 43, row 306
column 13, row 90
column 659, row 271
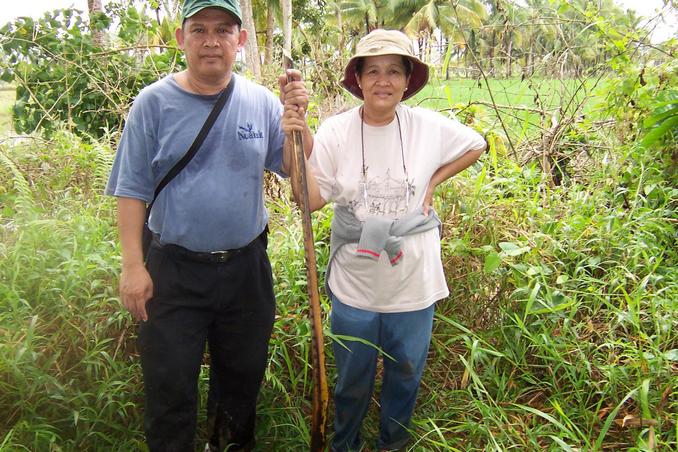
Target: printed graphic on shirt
column 247, row 132
column 382, row 196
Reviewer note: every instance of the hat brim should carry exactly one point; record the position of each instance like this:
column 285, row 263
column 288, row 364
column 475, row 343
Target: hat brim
column 418, row 77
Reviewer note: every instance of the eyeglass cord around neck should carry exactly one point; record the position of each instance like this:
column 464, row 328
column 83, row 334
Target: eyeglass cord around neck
column 402, row 156
column 362, row 144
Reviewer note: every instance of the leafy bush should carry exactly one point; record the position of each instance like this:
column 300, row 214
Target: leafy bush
column 66, row 80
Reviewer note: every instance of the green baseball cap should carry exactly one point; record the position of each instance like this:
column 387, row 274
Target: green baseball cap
column 192, row 7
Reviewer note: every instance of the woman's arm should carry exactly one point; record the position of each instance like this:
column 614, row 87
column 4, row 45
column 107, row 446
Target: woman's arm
column 446, row 171
column 294, row 96
column 292, row 121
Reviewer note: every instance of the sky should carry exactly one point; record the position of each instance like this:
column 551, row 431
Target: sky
column 11, row 9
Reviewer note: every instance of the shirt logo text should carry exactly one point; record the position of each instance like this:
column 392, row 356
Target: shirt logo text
column 248, row 133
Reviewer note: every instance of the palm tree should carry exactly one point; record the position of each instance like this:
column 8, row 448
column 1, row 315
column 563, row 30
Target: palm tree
column 339, row 16
column 513, row 33
column 252, row 56
column 368, row 12
column 270, row 27
column 422, row 18
column 96, row 7
column 286, row 6
column 541, row 31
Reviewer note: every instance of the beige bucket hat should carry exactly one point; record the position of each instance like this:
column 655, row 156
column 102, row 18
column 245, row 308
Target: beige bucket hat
column 386, row 42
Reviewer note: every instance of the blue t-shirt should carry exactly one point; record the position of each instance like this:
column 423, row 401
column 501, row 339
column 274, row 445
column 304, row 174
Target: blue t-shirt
column 216, row 202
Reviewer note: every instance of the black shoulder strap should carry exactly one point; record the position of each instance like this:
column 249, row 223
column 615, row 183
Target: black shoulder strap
column 209, row 122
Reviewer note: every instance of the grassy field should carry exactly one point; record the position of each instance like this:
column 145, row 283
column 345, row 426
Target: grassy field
column 517, row 108
column 514, row 92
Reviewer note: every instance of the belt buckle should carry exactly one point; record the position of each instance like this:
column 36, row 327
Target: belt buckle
column 221, row 256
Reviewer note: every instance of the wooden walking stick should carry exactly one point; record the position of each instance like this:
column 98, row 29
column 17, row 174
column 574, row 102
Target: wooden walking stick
column 320, row 391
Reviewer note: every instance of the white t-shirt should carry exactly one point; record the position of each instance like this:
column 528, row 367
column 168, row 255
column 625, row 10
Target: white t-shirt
column 429, row 141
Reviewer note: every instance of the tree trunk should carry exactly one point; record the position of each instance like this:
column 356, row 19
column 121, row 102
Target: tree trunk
column 286, row 6
column 95, row 7
column 251, row 46
column 171, row 8
column 270, row 26
column 342, row 41
column 509, row 57
column 529, row 58
column 490, row 55
column 467, row 60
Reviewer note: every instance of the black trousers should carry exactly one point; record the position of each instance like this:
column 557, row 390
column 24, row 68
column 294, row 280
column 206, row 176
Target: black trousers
column 228, row 306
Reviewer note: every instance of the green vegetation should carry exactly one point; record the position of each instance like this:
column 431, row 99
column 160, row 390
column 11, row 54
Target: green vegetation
column 560, row 333
column 65, row 80
column 561, row 330
column 80, row 71
column 515, row 108
column 506, row 92
column 7, row 94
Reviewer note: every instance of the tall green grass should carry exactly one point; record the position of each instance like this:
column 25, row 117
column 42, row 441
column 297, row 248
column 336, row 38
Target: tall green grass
column 562, row 319
column 68, row 374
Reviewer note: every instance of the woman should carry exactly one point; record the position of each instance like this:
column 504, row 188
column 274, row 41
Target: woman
column 380, row 163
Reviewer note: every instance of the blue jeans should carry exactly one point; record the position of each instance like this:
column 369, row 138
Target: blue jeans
column 405, row 337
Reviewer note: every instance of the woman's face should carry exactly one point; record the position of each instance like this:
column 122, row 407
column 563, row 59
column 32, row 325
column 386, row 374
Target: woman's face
column 383, row 80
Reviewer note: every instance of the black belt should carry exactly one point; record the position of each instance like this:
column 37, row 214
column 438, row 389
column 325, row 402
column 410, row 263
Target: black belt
column 214, row 257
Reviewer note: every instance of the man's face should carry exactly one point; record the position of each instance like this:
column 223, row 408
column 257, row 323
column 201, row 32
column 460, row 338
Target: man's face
column 211, row 39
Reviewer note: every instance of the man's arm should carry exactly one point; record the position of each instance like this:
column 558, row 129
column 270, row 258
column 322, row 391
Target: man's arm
column 136, row 286
column 446, row 171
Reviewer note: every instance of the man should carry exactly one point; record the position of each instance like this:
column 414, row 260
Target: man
column 207, row 278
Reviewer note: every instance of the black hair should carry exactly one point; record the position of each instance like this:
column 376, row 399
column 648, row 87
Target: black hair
column 409, row 67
